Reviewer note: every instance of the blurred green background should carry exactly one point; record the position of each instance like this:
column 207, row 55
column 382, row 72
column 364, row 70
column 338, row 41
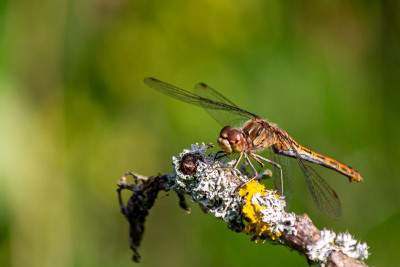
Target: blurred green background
column 75, row 115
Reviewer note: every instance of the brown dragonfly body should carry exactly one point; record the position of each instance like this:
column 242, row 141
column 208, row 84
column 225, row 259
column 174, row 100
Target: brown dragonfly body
column 257, row 134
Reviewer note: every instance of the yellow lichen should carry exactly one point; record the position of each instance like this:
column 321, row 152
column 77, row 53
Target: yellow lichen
column 256, row 227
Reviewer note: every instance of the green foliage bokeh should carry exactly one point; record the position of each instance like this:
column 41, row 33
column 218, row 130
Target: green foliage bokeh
column 75, row 114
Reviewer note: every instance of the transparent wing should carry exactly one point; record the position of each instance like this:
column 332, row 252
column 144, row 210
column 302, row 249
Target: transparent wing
column 323, row 195
column 223, row 117
column 287, row 169
column 204, row 102
column 204, row 90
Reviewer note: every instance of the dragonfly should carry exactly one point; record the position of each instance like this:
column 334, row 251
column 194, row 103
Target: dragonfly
column 256, row 135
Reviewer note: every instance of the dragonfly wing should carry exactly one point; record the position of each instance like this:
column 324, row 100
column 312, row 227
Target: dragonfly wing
column 194, row 99
column 204, row 90
column 324, row 196
column 287, row 187
column 223, row 117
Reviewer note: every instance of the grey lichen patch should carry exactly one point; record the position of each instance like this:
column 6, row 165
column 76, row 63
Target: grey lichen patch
column 272, row 208
column 212, row 184
column 330, row 242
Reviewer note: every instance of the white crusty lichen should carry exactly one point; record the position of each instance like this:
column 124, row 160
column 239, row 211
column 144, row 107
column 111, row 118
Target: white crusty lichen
column 272, row 209
column 329, row 242
column 351, row 247
column 218, row 189
column 212, row 185
column 320, row 250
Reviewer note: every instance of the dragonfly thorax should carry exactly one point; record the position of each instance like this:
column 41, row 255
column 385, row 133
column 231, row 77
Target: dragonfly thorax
column 231, row 140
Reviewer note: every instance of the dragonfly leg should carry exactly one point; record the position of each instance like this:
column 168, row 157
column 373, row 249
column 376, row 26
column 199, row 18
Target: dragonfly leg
column 252, row 168
column 257, row 158
column 234, row 168
column 259, row 162
column 220, row 154
column 238, row 160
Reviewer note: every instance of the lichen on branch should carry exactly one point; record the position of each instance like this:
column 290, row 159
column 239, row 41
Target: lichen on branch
column 247, row 208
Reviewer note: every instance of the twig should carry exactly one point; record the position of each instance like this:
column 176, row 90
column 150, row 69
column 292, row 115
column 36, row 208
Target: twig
column 251, row 209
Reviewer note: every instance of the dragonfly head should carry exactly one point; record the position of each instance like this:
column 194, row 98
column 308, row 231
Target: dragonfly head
column 231, row 140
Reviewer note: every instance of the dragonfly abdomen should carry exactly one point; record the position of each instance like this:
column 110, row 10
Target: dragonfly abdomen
column 328, row 162
column 296, row 150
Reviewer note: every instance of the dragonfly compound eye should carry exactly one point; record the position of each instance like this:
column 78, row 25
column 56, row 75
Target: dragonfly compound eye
column 224, row 132
column 234, row 136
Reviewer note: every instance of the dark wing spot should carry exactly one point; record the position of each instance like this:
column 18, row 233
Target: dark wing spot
column 335, row 195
